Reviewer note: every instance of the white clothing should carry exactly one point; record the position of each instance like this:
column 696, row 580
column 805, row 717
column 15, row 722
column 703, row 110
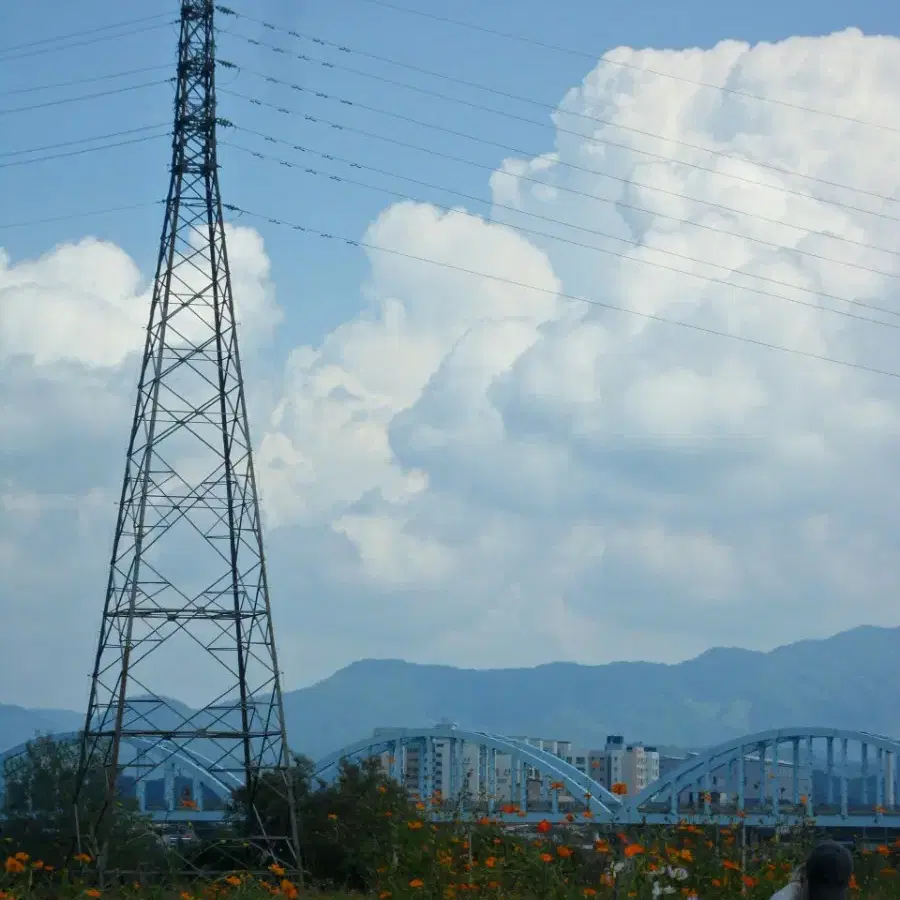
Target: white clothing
column 788, row 892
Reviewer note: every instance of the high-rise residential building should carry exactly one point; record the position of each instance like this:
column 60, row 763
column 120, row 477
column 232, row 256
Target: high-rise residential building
column 640, row 767
column 633, row 765
column 617, row 763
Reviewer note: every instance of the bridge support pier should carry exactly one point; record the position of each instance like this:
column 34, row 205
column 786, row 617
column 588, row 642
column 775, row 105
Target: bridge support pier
column 844, row 773
column 492, row 780
column 889, row 800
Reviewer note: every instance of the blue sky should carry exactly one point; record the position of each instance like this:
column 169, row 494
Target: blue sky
column 317, row 284
column 468, row 466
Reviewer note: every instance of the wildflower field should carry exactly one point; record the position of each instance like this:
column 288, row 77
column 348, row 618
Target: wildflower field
column 416, row 859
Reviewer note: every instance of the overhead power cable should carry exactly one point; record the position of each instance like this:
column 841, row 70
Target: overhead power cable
column 94, row 80
column 81, row 97
column 83, row 150
column 600, row 141
column 86, row 33
column 619, row 64
column 352, row 242
column 596, row 120
column 320, row 95
column 87, row 140
column 81, row 215
column 554, row 237
column 85, row 43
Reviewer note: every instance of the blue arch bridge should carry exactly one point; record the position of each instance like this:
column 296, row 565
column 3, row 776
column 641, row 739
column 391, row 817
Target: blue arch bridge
column 836, row 779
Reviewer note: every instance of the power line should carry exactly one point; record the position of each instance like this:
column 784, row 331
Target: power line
column 343, row 48
column 78, row 99
column 138, row 140
column 88, row 42
column 87, row 140
column 584, row 137
column 81, row 215
column 624, row 65
column 59, row 84
column 320, row 95
column 621, row 255
column 351, row 242
column 631, row 242
column 89, row 31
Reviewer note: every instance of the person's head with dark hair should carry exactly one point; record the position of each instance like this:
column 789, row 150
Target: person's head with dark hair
column 828, row 871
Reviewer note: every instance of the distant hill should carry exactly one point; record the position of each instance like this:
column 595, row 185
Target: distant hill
column 850, row 680
column 18, row 724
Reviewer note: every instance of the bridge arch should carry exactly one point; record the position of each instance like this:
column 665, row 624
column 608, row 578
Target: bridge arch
column 173, row 762
column 537, row 782
column 750, row 777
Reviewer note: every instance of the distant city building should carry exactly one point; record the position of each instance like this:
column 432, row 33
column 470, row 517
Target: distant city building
column 641, row 767
column 461, row 769
column 633, row 765
column 413, row 773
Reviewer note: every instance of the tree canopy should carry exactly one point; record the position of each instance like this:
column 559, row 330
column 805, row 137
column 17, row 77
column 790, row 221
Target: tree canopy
column 39, row 814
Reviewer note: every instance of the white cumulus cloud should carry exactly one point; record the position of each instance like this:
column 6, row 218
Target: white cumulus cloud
column 537, row 465
column 72, row 326
column 516, row 475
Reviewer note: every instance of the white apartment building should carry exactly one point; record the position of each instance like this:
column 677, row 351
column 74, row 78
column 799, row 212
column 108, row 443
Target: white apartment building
column 442, row 774
column 641, row 767
column 633, row 765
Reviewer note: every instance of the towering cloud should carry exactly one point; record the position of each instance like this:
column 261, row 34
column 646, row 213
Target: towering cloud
column 540, row 464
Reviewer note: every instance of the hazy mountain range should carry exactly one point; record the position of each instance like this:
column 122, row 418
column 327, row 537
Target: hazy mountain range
column 850, row 680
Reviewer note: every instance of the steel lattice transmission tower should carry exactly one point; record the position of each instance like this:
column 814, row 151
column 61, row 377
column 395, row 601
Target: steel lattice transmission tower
column 187, row 589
